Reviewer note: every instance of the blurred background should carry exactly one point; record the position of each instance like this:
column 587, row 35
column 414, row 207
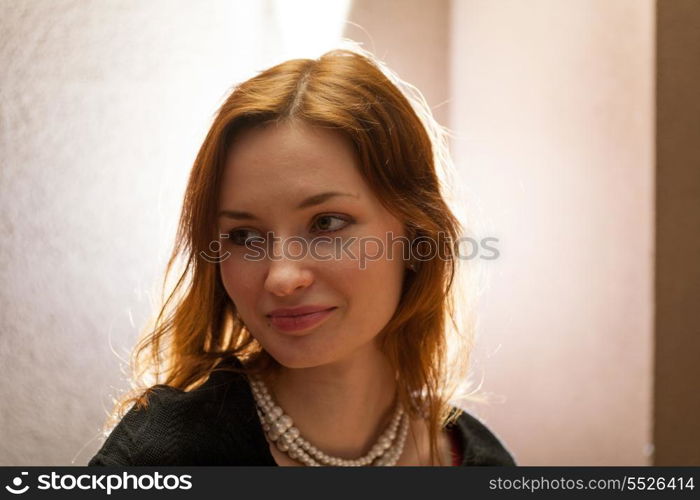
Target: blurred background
column 575, row 135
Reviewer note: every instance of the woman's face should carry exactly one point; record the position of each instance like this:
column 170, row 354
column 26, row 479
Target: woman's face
column 306, row 249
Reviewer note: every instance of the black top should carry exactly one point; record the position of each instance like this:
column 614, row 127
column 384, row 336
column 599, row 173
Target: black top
column 216, row 424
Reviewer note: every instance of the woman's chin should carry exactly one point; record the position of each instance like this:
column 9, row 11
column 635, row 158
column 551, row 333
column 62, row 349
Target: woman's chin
column 298, row 361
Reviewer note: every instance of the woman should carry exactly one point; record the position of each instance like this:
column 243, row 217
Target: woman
column 308, row 327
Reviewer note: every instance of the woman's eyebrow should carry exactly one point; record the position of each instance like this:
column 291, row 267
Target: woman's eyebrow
column 311, row 201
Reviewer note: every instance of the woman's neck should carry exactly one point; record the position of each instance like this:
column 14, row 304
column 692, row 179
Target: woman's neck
column 341, row 408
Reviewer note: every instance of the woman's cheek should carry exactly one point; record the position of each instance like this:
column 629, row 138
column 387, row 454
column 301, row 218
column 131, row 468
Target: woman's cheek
column 236, row 280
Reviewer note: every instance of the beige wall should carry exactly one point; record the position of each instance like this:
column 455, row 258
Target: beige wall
column 552, row 103
column 552, row 107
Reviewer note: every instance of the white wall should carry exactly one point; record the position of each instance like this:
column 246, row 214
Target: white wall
column 552, row 104
column 103, row 106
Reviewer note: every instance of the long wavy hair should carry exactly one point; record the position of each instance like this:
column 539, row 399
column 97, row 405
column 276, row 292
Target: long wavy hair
column 401, row 152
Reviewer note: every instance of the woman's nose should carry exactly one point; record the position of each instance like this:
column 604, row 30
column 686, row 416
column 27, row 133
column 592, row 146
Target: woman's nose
column 287, row 271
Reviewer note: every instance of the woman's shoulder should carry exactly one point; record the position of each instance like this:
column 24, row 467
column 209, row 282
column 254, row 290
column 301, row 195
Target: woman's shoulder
column 143, row 430
column 213, row 424
column 479, row 445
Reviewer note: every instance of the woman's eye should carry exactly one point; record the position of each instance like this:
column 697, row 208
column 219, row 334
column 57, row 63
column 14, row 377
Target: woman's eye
column 244, row 237
column 326, row 224
column 323, row 224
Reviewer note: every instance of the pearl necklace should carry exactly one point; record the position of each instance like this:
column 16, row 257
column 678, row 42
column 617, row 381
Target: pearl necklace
column 280, row 429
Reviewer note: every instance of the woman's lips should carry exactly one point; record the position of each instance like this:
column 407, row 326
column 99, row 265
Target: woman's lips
column 301, row 322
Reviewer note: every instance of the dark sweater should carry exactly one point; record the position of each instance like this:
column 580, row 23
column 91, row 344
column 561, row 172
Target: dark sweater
column 216, row 424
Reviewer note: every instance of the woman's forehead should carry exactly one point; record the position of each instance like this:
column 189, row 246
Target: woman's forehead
column 306, row 160
column 289, row 139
